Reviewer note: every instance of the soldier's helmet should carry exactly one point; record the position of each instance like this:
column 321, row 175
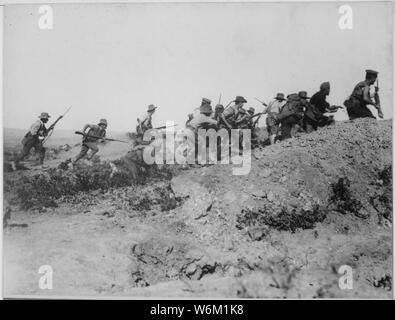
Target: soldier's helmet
column 280, row 96
column 206, row 108
column 206, row 101
column 303, row 95
column 371, row 73
column 44, row 115
column 251, row 110
column 103, row 122
column 151, row 108
column 240, row 99
column 325, row 86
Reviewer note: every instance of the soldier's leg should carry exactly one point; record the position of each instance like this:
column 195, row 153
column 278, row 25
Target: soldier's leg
column 84, row 150
column 27, row 146
column 286, row 127
column 38, row 146
column 94, row 149
column 274, row 129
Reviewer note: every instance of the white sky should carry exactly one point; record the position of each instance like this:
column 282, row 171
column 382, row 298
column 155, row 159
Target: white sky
column 113, row 60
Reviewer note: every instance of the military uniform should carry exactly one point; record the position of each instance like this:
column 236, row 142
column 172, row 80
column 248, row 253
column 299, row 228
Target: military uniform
column 292, row 113
column 272, row 111
column 90, row 143
column 145, row 123
column 231, row 113
column 356, row 104
column 204, row 119
column 33, row 139
column 357, row 107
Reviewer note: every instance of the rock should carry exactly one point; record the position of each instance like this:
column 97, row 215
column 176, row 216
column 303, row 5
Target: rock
column 266, row 173
column 191, row 269
column 257, row 234
column 271, row 196
column 283, row 179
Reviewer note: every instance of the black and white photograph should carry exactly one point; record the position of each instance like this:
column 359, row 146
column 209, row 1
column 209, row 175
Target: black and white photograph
column 197, row 150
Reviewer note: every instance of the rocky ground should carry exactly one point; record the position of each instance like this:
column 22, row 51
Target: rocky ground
column 308, row 206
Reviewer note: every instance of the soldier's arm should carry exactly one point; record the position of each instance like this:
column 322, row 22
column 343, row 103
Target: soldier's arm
column 86, row 127
column 224, row 120
column 366, row 96
column 242, row 119
column 35, row 128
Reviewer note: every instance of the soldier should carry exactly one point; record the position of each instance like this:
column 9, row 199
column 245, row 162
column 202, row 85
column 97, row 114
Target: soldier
column 251, row 113
column 133, row 161
column 34, row 139
column 219, row 116
column 292, row 113
column 360, row 98
column 272, row 111
column 231, row 113
column 145, row 123
column 91, row 139
column 204, row 119
column 314, row 116
column 242, row 118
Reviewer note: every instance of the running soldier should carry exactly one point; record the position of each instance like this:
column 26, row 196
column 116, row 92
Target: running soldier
column 145, row 123
column 34, row 139
column 91, row 139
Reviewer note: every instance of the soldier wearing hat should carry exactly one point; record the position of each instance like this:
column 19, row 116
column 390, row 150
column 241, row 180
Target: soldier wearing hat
column 145, row 123
column 272, row 111
column 204, row 119
column 33, row 139
column 292, row 113
column 91, row 139
column 359, row 99
column 218, row 115
column 231, row 114
column 244, row 118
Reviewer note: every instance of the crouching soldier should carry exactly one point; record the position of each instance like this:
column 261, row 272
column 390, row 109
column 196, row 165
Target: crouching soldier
column 231, row 114
column 34, row 139
column 292, row 113
column 315, row 115
column 204, row 119
column 91, row 139
column 134, row 162
column 360, row 98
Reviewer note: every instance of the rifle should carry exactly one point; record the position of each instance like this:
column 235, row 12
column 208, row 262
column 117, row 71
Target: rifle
column 219, row 100
column 52, row 126
column 229, row 104
column 164, row 127
column 96, row 137
column 261, row 102
column 377, row 100
column 256, row 115
column 259, row 115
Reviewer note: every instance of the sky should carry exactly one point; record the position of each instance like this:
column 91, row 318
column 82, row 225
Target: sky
column 113, row 60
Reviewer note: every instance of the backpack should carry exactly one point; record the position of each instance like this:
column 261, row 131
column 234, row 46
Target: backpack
column 293, row 107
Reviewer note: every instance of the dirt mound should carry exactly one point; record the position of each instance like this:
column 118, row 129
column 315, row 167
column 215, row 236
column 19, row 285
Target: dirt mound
column 308, row 206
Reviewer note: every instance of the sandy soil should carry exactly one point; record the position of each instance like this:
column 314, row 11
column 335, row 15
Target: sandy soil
column 272, row 233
